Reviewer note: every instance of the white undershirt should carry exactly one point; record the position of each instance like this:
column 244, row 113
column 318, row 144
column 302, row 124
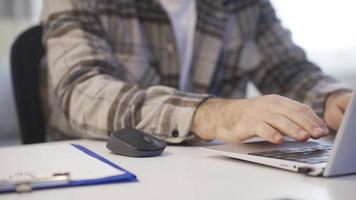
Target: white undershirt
column 182, row 14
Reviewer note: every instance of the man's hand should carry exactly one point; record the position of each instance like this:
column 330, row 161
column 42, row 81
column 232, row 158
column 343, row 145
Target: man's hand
column 269, row 117
column 335, row 107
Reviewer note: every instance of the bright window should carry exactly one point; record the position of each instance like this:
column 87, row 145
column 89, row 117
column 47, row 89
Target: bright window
column 326, row 29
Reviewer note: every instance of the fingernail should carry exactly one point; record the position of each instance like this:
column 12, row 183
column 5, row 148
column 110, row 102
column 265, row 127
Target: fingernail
column 318, row 131
column 326, row 130
column 303, row 134
column 277, row 138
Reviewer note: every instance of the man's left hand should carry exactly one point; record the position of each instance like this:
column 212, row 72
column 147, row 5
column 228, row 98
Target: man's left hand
column 335, row 108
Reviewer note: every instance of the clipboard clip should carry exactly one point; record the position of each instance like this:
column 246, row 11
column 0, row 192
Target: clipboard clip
column 25, row 181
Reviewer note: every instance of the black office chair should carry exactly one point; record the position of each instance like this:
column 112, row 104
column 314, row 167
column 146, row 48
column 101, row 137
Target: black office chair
column 26, row 54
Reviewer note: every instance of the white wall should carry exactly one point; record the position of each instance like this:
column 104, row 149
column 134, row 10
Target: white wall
column 8, row 118
column 324, row 28
column 10, row 27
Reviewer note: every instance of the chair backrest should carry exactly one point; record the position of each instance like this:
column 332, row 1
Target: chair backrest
column 26, row 54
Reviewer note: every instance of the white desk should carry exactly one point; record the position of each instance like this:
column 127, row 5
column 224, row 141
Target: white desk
column 190, row 173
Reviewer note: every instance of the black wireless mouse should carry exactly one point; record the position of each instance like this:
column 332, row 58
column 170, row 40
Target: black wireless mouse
column 134, row 143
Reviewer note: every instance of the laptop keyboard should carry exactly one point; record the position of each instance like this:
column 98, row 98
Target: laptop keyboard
column 311, row 155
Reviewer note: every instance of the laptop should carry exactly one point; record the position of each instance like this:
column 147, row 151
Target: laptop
column 312, row 158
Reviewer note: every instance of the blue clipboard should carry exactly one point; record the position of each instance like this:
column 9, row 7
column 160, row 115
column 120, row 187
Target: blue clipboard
column 125, row 177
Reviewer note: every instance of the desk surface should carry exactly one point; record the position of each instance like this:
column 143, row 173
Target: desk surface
column 191, row 173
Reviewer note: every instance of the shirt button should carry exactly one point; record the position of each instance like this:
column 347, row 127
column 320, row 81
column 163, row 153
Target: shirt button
column 175, row 133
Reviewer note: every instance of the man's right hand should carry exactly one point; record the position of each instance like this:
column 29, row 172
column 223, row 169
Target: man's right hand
column 269, row 117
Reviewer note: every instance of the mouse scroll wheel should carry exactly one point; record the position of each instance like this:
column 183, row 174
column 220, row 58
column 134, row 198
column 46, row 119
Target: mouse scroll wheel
column 147, row 139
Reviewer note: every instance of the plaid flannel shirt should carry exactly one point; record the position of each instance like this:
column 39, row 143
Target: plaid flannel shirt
column 114, row 64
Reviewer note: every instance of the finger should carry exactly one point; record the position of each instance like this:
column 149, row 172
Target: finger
column 343, row 101
column 306, row 123
column 287, row 127
column 333, row 117
column 269, row 133
column 306, row 110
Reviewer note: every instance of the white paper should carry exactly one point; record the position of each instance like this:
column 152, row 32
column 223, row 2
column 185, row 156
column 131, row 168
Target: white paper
column 46, row 159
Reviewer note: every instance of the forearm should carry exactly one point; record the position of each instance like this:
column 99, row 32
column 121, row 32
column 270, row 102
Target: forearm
column 206, row 119
column 215, row 118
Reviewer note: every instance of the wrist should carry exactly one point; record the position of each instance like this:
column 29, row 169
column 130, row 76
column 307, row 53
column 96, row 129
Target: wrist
column 212, row 117
column 203, row 124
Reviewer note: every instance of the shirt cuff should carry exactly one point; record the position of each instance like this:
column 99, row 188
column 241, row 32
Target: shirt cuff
column 180, row 118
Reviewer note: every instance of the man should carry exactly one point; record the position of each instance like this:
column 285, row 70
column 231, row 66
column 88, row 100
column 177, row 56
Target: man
column 178, row 70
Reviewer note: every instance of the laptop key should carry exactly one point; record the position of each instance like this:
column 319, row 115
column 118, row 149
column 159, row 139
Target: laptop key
column 312, row 155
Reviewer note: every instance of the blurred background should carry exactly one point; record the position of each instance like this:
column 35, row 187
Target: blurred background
column 15, row 17
column 323, row 27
